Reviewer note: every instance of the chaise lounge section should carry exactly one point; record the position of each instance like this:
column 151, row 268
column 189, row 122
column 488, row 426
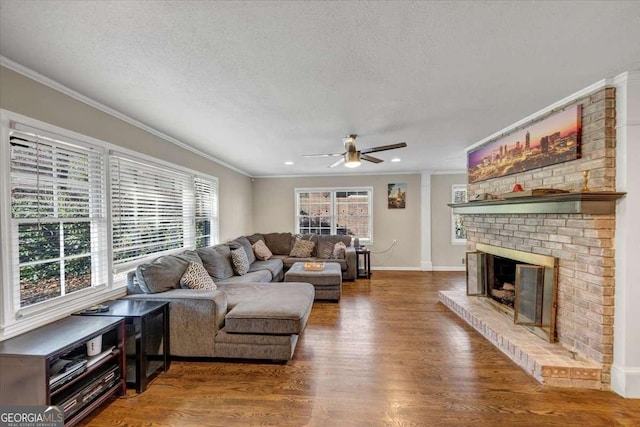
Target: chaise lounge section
column 247, row 320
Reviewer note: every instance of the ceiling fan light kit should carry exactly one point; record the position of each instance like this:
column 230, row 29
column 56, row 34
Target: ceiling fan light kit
column 352, row 157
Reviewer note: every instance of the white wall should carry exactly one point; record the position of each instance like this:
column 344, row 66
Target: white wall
column 274, row 211
column 625, row 372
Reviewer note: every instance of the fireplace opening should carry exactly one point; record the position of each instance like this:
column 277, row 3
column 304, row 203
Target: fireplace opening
column 519, row 284
column 502, row 280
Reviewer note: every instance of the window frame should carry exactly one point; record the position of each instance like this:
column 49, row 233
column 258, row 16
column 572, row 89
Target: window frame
column 455, row 198
column 15, row 320
column 333, row 208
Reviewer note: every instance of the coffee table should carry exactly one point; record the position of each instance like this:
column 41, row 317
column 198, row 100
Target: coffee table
column 327, row 282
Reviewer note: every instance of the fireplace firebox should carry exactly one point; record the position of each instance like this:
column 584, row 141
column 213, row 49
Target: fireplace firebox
column 519, row 284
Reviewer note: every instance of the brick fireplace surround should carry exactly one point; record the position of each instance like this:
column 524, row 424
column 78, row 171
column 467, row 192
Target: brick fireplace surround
column 584, row 247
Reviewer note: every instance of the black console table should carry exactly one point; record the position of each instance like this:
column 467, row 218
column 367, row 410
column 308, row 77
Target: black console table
column 147, row 338
column 363, row 263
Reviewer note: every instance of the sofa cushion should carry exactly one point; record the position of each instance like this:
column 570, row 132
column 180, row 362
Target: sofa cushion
column 196, row 277
column 217, row 261
column 284, row 309
column 273, row 265
column 162, row 274
column 254, row 238
column 260, row 276
column 240, row 261
column 278, row 243
column 246, row 245
column 261, row 250
column 302, row 248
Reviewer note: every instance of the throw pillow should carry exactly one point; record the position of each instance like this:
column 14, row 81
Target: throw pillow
column 261, row 250
column 240, row 261
column 302, row 248
column 196, row 277
column 339, row 250
column 325, row 249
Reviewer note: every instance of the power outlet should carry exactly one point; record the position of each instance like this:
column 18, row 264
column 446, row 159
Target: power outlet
column 462, row 260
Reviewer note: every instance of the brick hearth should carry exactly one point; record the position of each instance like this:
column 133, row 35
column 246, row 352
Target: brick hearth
column 549, row 363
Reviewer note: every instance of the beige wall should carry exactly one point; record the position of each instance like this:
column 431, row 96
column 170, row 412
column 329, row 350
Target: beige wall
column 25, row 96
column 444, row 254
column 274, row 210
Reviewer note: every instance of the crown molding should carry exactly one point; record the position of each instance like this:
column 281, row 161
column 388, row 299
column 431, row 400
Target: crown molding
column 338, row 175
column 449, row 172
column 33, row 75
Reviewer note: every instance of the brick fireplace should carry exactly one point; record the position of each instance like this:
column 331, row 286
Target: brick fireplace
column 582, row 242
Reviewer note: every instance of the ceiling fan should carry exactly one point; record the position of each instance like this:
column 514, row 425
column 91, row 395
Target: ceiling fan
column 352, row 156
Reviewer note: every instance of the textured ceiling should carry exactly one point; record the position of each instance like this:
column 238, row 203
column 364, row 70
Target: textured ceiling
column 259, row 83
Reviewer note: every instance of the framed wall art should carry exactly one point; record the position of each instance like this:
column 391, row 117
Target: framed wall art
column 396, row 196
column 555, row 139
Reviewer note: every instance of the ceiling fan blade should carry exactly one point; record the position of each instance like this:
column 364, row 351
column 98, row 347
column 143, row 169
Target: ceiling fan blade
column 370, row 158
column 323, row 155
column 339, row 162
column 384, row 148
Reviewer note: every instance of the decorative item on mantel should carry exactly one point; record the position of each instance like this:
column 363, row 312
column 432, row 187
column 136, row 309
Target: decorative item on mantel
column 585, row 181
column 534, row 192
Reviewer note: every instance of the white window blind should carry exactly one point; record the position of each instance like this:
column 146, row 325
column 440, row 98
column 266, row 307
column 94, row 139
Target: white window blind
column 58, row 221
column 206, row 194
column 152, row 210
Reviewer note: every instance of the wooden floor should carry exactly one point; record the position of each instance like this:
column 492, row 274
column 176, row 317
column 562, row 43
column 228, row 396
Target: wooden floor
column 388, row 354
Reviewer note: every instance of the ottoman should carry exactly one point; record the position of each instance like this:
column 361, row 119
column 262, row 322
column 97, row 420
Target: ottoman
column 327, row 282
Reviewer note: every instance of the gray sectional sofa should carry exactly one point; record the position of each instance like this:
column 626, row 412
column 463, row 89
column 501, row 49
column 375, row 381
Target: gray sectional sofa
column 281, row 245
column 249, row 316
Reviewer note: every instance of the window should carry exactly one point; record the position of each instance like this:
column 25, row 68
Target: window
column 206, row 193
column 76, row 218
column 148, row 210
column 458, row 232
column 58, row 222
column 157, row 209
column 335, row 211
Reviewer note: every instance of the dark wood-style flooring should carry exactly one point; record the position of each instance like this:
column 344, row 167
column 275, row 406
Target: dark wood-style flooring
column 388, row 354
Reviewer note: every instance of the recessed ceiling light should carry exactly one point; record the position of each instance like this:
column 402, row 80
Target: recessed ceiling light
column 395, row 159
column 288, row 163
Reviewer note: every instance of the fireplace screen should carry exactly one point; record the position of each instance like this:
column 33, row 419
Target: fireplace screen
column 529, row 295
column 519, row 284
column 475, row 273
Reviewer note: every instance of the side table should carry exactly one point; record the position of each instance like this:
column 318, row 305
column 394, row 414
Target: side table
column 147, row 338
column 363, row 263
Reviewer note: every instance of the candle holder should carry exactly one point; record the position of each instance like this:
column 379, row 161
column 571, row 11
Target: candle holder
column 585, row 181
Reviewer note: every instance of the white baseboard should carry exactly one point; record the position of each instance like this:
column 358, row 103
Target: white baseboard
column 625, row 382
column 426, row 266
column 418, row 269
column 454, row 268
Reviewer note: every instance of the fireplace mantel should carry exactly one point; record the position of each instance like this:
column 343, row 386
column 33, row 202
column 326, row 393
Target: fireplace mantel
column 591, row 203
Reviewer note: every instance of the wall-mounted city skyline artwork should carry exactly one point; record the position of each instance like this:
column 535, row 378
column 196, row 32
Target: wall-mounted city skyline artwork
column 555, row 139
